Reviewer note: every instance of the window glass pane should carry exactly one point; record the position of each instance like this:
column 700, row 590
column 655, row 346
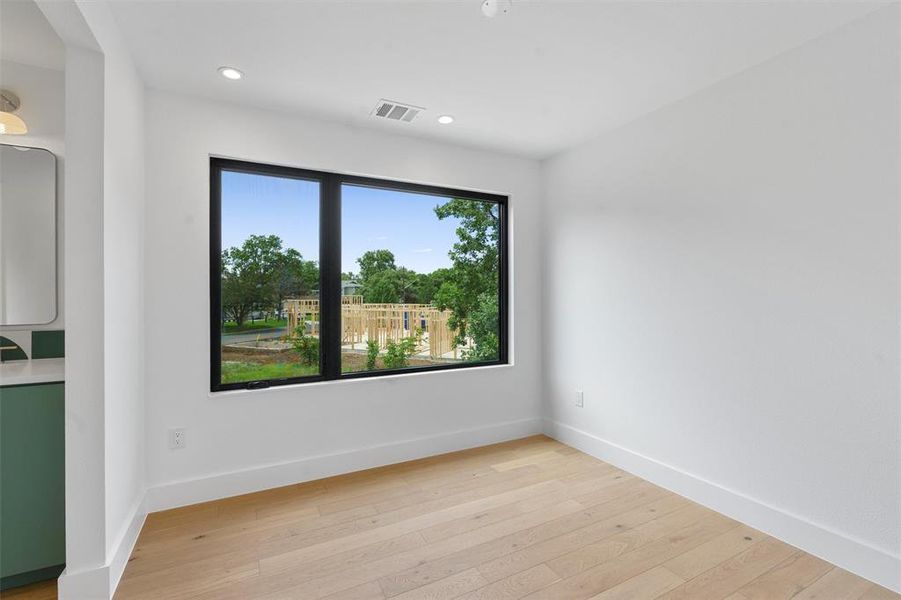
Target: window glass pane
column 270, row 277
column 420, row 280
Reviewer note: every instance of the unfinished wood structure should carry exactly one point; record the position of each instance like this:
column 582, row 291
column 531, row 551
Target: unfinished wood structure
column 530, row 519
column 361, row 322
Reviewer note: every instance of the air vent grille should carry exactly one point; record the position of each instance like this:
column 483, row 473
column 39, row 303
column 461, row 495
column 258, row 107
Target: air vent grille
column 396, row 111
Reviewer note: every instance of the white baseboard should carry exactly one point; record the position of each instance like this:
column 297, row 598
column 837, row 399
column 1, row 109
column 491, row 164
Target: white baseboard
column 126, row 543
column 848, row 553
column 100, row 583
column 224, row 485
column 89, row 584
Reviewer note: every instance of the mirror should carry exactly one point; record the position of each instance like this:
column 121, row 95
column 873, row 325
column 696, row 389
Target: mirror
column 27, row 236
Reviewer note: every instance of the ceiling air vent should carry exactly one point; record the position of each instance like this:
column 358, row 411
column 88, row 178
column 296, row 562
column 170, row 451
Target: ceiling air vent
column 395, row 111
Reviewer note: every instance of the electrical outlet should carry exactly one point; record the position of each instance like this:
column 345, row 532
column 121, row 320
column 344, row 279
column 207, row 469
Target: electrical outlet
column 176, row 439
column 580, row 398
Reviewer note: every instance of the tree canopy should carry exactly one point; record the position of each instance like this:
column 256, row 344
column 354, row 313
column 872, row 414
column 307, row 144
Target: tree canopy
column 261, row 273
column 471, row 288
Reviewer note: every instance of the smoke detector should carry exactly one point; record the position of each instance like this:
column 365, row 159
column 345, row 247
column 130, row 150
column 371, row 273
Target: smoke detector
column 395, row 111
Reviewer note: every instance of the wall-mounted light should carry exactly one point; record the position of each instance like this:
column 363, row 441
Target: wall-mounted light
column 10, row 124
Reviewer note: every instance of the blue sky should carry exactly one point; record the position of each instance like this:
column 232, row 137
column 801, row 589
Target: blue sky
column 371, row 219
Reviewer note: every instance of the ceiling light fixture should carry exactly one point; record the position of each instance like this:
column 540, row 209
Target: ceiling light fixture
column 10, row 124
column 445, row 119
column 231, row 73
column 491, row 8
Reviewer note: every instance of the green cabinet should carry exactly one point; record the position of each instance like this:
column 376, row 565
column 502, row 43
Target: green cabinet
column 32, row 483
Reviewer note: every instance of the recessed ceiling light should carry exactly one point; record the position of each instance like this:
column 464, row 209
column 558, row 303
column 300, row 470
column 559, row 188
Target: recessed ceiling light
column 445, row 119
column 230, row 73
column 490, row 8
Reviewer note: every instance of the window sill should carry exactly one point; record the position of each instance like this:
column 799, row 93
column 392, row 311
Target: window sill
column 375, row 379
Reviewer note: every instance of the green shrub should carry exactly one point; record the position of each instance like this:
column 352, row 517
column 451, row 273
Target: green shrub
column 372, row 353
column 306, row 346
column 397, row 354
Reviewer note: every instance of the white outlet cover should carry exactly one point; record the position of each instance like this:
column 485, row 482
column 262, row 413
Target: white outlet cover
column 176, row 439
column 580, row 398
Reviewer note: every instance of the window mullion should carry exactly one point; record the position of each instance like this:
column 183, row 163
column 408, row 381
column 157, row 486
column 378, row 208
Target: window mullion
column 330, row 276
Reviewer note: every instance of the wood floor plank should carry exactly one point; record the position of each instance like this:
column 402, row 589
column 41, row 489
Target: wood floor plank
column 785, row 580
column 835, row 585
column 402, row 562
column 537, row 459
column 877, row 592
column 367, row 591
column 478, row 555
column 510, row 534
column 189, row 582
column 333, row 546
column 447, row 529
column 612, row 572
column 444, row 589
column 515, row 586
column 706, row 556
column 727, row 577
column 649, row 584
column 528, row 518
column 44, row 590
column 625, row 513
column 593, row 554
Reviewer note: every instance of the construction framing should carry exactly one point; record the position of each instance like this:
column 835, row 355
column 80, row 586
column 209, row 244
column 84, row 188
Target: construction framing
column 361, row 322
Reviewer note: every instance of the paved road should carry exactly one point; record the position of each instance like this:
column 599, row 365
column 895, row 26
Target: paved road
column 252, row 336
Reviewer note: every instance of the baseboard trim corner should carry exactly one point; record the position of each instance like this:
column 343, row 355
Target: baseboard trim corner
column 100, row 583
column 234, row 483
column 850, row 554
column 88, row 584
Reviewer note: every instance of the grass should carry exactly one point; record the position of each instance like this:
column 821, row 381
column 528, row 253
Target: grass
column 239, row 367
column 233, row 372
column 232, row 327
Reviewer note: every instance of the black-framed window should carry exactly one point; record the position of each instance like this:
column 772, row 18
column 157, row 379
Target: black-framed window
column 320, row 276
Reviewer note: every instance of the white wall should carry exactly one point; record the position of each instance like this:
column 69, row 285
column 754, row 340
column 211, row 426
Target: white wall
column 293, row 429
column 722, row 280
column 104, row 344
column 85, row 432
column 123, row 263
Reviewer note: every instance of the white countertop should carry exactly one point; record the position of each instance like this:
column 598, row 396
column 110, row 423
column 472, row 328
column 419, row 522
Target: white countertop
column 42, row 370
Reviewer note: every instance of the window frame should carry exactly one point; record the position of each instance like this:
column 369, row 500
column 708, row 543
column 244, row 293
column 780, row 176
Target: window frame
column 330, row 184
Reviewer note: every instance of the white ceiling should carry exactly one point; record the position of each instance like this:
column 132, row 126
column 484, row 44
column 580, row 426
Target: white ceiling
column 26, row 36
column 533, row 82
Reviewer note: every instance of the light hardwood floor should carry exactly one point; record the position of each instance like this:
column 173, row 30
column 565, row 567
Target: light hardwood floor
column 525, row 519
column 45, row 590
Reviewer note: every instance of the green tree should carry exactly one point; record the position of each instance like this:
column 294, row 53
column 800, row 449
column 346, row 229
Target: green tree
column 295, row 278
column 382, row 287
column 249, row 276
column 474, row 276
column 375, row 261
column 407, row 285
column 428, row 284
column 483, row 327
column 382, row 280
